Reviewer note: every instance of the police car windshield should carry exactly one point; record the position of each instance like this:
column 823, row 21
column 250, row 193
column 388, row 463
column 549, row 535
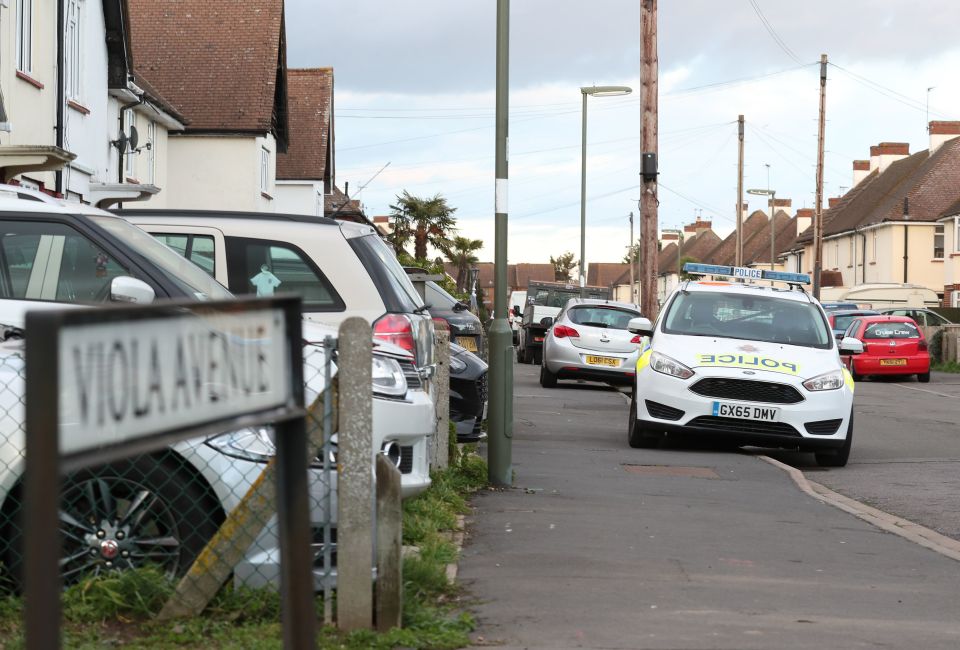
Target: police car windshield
column 749, row 317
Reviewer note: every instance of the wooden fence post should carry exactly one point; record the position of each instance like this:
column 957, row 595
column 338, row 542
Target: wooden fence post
column 389, row 546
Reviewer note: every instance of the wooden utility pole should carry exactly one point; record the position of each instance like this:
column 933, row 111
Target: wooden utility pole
column 649, row 229
column 630, row 258
column 818, row 214
column 739, row 252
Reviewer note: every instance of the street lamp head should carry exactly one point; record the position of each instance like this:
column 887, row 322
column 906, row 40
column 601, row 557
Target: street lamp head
column 606, row 91
column 761, row 192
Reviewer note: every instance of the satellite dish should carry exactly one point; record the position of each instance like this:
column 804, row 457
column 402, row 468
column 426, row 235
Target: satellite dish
column 121, row 142
column 134, row 138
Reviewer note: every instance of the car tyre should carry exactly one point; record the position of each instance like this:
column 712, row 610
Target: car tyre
column 924, row 377
column 637, row 436
column 856, row 376
column 149, row 498
column 837, row 457
column 547, row 378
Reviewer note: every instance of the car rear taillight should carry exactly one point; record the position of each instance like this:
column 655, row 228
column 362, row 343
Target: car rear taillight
column 396, row 329
column 562, row 332
column 922, row 345
column 635, row 339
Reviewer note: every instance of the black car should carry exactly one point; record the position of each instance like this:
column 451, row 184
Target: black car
column 466, row 330
column 468, row 393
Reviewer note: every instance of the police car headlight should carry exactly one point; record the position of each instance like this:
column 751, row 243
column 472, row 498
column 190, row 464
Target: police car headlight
column 388, row 379
column 667, row 366
column 828, row 381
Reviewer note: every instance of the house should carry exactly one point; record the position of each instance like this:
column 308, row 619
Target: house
column 950, row 223
column 86, row 132
column 305, row 172
column 518, row 276
column 222, row 65
column 697, row 244
column 890, row 226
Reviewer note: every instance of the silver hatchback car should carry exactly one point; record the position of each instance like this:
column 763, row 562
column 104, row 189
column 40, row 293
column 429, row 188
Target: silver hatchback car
column 589, row 340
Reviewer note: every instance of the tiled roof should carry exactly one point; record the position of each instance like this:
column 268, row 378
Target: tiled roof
column 220, row 63
column 310, row 103
column 522, row 273
column 697, row 247
column 952, row 211
column 607, row 274
column 757, row 250
column 726, row 251
column 334, row 203
column 930, row 183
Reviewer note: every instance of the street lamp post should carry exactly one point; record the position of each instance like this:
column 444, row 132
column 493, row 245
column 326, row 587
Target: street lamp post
column 771, row 194
column 596, row 91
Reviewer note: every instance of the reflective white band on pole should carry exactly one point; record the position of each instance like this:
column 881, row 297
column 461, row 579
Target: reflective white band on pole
column 500, row 201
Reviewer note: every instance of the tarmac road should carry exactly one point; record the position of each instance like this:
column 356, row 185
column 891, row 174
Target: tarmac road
column 603, row 546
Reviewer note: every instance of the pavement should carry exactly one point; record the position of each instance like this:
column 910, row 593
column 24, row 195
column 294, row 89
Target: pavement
column 601, row 546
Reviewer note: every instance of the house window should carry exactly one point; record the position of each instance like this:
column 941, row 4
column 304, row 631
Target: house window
column 836, row 255
column 938, row 242
column 72, row 40
column 873, row 247
column 956, row 243
column 128, row 167
column 850, row 251
column 151, row 152
column 25, row 35
column 264, row 170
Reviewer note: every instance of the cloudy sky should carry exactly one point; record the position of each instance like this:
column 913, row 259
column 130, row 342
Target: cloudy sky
column 415, row 91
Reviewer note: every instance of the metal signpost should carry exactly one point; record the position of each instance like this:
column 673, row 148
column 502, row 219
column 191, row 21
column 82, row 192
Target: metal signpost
column 108, row 383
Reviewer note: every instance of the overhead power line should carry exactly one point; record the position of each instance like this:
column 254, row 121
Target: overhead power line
column 773, row 33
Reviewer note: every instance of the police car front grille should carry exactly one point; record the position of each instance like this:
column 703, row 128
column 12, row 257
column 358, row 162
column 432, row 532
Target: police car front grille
column 406, row 459
column 747, row 390
column 822, row 427
column 410, row 372
column 662, row 411
column 743, row 426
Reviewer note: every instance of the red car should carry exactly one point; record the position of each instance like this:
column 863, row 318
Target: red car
column 892, row 345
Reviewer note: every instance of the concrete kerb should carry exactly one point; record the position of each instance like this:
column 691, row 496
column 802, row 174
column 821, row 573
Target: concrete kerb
column 915, row 533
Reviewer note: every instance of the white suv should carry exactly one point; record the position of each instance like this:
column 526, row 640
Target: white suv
column 744, row 363
column 340, row 269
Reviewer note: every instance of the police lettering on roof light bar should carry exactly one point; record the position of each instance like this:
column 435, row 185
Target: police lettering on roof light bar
column 741, row 272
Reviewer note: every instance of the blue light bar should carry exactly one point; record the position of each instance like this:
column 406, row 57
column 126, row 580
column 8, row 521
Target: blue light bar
column 745, row 273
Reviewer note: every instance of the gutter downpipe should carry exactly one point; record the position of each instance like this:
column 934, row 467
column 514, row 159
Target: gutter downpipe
column 906, row 235
column 58, row 184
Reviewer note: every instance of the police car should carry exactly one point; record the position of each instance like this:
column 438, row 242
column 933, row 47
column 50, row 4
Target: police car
column 748, row 363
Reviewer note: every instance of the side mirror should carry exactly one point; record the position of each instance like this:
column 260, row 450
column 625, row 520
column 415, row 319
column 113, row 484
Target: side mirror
column 850, row 345
column 546, row 321
column 123, row 288
column 641, row 326
column 460, row 306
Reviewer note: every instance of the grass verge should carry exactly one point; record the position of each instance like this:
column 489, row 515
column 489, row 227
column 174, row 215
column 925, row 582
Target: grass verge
column 115, row 610
column 946, row 366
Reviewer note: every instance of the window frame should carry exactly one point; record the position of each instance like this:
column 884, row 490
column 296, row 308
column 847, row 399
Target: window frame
column 264, row 170
column 129, row 169
column 236, row 269
column 942, row 235
column 23, row 53
column 152, row 152
column 73, row 48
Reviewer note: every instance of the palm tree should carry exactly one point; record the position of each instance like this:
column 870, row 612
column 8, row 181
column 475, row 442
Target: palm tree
column 426, row 221
column 460, row 252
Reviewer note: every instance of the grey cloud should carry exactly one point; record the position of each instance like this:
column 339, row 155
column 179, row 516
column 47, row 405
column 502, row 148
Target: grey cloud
column 430, row 46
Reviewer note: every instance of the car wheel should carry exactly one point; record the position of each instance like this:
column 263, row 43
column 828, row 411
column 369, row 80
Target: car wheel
column 121, row 516
column 837, row 457
column 924, row 377
column 547, row 378
column 856, row 376
column 637, row 436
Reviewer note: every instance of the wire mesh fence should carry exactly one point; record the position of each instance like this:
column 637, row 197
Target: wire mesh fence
column 202, row 511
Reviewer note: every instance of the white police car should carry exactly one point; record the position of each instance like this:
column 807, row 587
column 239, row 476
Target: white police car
column 748, row 363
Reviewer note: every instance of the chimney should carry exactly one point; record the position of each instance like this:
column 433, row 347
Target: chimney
column 941, row 132
column 804, row 219
column 833, row 201
column 861, row 168
column 884, row 154
column 697, row 227
column 783, row 205
column 744, row 213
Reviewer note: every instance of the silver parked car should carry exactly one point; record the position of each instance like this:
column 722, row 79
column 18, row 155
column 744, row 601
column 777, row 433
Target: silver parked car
column 589, row 340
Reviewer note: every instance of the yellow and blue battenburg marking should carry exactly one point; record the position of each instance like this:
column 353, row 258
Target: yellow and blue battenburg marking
column 745, row 273
column 644, row 359
column 748, row 361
